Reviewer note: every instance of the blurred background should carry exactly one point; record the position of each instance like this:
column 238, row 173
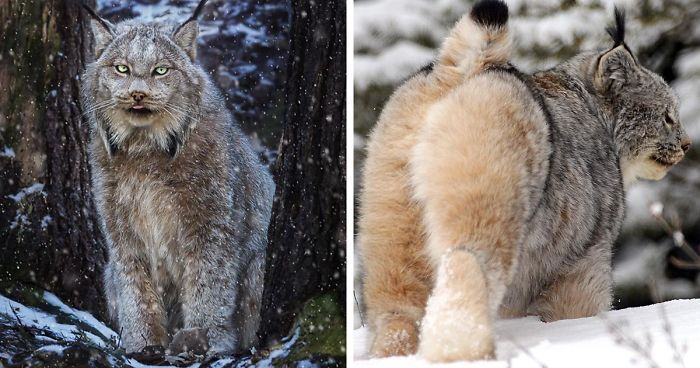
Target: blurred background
column 653, row 259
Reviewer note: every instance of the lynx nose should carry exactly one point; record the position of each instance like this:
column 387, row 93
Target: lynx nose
column 138, row 96
column 685, row 142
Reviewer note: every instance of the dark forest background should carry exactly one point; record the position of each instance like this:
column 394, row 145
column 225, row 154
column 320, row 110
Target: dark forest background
column 281, row 67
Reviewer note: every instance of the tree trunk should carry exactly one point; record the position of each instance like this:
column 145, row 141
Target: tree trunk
column 49, row 232
column 306, row 248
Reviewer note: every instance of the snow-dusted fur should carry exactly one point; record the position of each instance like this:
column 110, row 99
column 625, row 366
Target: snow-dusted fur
column 487, row 192
column 183, row 200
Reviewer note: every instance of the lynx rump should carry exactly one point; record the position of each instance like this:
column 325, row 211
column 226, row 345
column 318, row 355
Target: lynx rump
column 491, row 193
column 183, row 200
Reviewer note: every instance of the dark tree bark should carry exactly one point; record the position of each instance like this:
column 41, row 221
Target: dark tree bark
column 306, row 248
column 49, row 234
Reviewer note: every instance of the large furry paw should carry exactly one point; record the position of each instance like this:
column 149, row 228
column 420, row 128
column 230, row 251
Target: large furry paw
column 397, row 336
column 192, row 340
column 457, row 322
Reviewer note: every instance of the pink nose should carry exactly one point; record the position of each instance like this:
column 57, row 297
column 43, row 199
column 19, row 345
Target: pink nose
column 138, row 96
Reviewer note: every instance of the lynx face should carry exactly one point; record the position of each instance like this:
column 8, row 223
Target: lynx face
column 145, row 83
column 647, row 126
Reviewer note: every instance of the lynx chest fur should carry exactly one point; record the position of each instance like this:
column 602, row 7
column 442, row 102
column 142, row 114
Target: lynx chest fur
column 158, row 198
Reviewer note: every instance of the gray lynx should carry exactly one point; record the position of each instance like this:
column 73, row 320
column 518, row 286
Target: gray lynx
column 183, row 200
column 491, row 193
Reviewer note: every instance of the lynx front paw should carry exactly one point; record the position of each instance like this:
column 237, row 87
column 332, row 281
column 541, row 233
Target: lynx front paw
column 136, row 339
column 193, row 340
column 397, row 336
column 457, row 324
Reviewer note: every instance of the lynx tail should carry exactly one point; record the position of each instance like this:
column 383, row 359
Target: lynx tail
column 478, row 40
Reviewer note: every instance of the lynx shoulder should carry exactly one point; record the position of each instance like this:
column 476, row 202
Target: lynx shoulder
column 488, row 192
column 184, row 202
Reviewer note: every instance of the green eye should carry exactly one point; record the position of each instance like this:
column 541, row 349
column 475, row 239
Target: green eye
column 122, row 69
column 161, row 70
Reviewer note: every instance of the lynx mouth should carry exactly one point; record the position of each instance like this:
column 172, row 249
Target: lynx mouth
column 664, row 161
column 139, row 110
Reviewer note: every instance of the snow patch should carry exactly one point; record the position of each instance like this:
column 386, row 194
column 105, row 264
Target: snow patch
column 602, row 341
column 397, row 62
column 7, row 152
column 82, row 316
column 38, row 319
column 34, row 188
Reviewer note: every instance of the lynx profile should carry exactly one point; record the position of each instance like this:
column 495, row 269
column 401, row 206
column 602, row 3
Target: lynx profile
column 183, row 201
column 491, row 193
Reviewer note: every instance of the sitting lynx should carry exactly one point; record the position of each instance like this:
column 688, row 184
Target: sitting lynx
column 183, row 199
column 488, row 192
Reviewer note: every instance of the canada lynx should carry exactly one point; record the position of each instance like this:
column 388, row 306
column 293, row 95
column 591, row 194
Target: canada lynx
column 488, row 192
column 183, row 200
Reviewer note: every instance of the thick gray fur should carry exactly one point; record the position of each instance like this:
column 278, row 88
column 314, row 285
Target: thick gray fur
column 183, row 200
column 611, row 122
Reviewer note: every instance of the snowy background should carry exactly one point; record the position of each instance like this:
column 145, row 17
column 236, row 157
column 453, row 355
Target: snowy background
column 394, row 38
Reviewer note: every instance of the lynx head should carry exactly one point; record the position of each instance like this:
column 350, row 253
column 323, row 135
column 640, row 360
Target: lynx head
column 144, row 89
column 648, row 131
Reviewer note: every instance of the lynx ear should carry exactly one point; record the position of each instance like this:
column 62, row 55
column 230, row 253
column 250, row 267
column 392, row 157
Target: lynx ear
column 185, row 35
column 616, row 68
column 102, row 29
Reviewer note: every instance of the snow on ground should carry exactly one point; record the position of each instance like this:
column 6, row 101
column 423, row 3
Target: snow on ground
column 83, row 317
column 35, row 318
column 54, row 327
column 667, row 334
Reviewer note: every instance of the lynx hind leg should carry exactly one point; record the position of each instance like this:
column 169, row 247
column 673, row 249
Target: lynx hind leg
column 397, row 278
column 457, row 323
column 584, row 291
column 246, row 318
column 478, row 170
column 394, row 334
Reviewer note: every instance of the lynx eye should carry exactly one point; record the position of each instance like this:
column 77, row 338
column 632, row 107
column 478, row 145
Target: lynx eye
column 122, row 68
column 161, row 70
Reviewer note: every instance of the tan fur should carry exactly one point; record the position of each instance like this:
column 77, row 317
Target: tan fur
column 467, row 144
column 458, row 194
column 460, row 285
column 398, row 275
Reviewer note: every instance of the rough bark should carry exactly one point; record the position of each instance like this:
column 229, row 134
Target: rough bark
column 306, row 249
column 50, row 236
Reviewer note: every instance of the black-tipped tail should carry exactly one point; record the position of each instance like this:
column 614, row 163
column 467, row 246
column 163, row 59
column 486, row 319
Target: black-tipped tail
column 617, row 32
column 490, row 13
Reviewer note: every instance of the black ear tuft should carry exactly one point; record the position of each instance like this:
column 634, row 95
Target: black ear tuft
column 493, row 13
column 617, row 32
column 108, row 26
column 195, row 15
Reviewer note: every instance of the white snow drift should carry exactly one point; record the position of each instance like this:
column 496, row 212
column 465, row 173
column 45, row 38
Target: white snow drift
column 660, row 335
